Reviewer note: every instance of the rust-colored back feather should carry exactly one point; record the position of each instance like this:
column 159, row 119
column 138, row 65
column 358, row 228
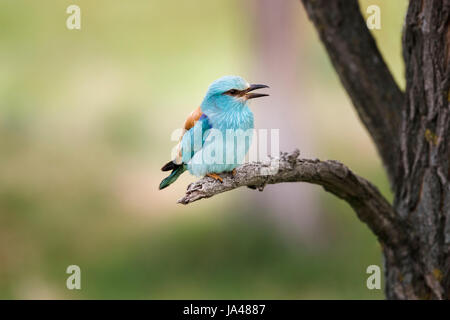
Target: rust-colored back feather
column 193, row 118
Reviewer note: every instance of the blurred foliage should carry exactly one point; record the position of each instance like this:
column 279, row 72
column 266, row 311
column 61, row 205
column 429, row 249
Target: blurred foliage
column 85, row 121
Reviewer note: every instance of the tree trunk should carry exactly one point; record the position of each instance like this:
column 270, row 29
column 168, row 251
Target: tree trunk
column 422, row 197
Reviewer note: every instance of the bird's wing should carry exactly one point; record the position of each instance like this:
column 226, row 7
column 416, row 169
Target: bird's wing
column 191, row 125
column 192, row 118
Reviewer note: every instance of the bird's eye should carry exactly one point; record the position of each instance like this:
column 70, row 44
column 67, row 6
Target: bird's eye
column 232, row 91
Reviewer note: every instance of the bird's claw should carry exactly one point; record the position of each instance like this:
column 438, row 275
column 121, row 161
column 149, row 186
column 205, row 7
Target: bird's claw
column 215, row 176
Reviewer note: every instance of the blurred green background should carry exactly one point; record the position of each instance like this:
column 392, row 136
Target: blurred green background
column 85, row 123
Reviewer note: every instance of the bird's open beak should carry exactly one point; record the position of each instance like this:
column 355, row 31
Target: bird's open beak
column 249, row 95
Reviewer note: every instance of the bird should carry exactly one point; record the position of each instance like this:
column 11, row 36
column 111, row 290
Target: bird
column 209, row 143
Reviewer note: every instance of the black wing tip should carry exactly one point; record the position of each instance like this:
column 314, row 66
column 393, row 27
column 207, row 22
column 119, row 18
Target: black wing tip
column 169, row 166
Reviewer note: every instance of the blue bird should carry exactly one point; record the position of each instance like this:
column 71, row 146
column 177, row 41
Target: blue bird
column 217, row 135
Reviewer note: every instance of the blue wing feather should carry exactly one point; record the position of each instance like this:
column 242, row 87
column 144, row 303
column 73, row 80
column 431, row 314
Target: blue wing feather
column 194, row 138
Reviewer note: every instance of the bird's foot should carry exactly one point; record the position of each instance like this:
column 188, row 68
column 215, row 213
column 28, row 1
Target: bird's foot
column 215, row 176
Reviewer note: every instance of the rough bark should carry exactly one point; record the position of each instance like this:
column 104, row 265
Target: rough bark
column 422, row 196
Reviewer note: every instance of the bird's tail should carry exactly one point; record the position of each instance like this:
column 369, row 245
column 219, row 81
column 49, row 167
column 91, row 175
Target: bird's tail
column 176, row 172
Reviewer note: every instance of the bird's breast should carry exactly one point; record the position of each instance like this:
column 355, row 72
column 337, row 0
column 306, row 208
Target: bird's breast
column 242, row 119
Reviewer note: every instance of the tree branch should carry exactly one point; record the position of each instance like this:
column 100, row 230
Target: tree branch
column 362, row 71
column 370, row 206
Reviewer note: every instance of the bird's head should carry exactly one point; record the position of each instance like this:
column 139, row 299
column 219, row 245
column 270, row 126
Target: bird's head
column 230, row 92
